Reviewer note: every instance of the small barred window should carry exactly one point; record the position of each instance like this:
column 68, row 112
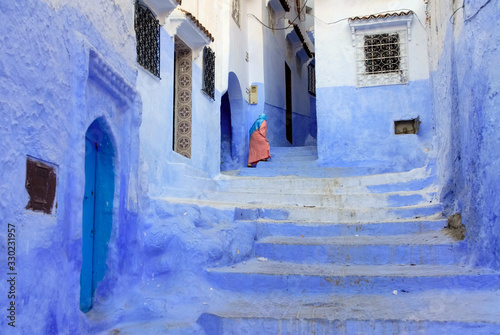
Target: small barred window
column 382, row 53
column 209, row 72
column 311, row 87
column 147, row 30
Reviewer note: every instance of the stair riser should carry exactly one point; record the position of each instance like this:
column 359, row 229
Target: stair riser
column 215, row 325
column 262, row 283
column 406, row 181
column 323, row 214
column 324, row 200
column 320, row 230
column 359, row 255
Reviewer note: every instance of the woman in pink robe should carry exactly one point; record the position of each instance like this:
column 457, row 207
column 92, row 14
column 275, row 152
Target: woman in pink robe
column 259, row 149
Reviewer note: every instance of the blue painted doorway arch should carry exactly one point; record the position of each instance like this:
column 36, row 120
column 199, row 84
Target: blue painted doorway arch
column 97, row 217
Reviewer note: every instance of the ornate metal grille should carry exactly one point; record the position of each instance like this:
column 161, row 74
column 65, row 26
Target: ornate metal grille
column 209, row 72
column 236, row 11
column 382, row 53
column 147, row 30
column 382, row 58
column 311, row 86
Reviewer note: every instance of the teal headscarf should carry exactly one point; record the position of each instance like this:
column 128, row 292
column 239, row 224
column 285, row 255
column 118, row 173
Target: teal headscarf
column 256, row 125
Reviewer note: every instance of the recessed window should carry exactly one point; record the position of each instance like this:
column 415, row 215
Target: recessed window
column 382, row 54
column 311, row 85
column 403, row 127
column 147, row 31
column 209, row 72
column 381, row 48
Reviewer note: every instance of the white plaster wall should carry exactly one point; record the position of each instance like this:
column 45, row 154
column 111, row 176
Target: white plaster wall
column 335, row 54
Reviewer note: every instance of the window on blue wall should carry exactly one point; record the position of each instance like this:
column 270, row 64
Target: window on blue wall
column 311, row 85
column 209, row 72
column 147, row 31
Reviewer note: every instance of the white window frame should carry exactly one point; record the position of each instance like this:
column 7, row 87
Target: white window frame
column 383, row 25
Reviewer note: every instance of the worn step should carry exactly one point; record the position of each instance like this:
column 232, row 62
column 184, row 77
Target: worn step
column 428, row 312
column 432, row 247
column 329, row 214
column 308, row 229
column 312, row 170
column 267, row 276
column 338, row 178
column 293, row 151
column 322, row 198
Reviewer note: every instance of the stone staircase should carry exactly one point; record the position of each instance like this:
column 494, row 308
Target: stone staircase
column 345, row 251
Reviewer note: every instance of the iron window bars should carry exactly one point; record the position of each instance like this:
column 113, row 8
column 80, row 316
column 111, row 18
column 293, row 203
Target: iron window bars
column 209, row 72
column 147, row 30
column 311, row 87
column 381, row 58
column 382, row 53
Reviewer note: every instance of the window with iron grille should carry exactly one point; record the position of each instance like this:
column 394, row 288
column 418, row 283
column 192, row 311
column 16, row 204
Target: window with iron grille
column 382, row 58
column 382, row 53
column 147, row 31
column 311, row 86
column 209, row 72
column 236, row 11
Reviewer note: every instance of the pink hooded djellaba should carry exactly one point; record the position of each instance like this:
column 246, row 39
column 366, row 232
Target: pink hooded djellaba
column 259, row 148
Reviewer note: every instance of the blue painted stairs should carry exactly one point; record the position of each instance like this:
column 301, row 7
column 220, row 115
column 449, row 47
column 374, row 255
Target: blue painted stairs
column 345, row 251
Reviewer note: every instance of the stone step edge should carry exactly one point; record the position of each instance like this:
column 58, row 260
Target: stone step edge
column 429, row 191
column 433, row 238
column 276, row 268
column 314, row 223
column 246, row 205
column 425, row 306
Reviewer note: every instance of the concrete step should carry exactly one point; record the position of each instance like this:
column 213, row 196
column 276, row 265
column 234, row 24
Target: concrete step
column 319, row 199
column 311, row 170
column 340, row 178
column 428, row 312
column 293, row 151
column 294, row 278
column 432, row 247
column 299, row 214
column 329, row 214
column 318, row 229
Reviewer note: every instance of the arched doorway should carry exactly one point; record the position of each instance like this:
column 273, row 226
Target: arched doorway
column 97, row 217
column 233, row 127
column 226, row 134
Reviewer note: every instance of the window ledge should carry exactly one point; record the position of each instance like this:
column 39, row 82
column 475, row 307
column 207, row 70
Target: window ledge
column 373, row 22
column 162, row 8
column 189, row 29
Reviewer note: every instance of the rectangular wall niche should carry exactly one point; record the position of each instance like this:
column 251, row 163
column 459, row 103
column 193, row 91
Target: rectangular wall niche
column 41, row 185
column 403, row 127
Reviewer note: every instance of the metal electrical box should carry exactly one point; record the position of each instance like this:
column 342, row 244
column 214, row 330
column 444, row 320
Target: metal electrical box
column 252, row 99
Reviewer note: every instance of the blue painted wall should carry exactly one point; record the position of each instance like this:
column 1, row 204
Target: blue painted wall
column 48, row 100
column 356, row 126
column 466, row 94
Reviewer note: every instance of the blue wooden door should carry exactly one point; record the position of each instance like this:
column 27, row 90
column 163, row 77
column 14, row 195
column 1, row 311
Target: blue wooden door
column 97, row 211
column 86, row 286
